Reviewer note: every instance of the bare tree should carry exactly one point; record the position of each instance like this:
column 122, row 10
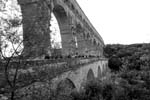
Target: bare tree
column 11, row 47
column 11, row 41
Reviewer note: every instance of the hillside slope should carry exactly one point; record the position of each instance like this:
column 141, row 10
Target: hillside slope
column 131, row 63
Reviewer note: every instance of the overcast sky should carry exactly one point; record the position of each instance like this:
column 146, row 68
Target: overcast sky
column 119, row 21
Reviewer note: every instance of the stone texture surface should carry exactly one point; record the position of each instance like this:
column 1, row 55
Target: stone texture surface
column 36, row 17
column 76, row 78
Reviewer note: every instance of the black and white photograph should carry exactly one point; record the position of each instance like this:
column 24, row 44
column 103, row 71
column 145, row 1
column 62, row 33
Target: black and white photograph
column 74, row 49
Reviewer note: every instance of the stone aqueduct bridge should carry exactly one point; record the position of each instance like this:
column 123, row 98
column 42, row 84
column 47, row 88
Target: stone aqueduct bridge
column 70, row 73
column 77, row 33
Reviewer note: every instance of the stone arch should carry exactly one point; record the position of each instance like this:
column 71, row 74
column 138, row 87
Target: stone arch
column 65, row 88
column 61, row 15
column 72, row 7
column 78, row 25
column 79, row 28
column 77, row 12
column 90, row 75
column 88, row 35
column 97, row 43
column 94, row 42
column 90, row 38
column 65, row 29
column 55, row 36
column 84, row 35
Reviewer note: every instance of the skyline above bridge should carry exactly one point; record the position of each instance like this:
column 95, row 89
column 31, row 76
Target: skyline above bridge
column 119, row 21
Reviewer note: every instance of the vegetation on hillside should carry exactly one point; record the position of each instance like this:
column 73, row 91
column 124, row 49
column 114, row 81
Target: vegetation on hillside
column 133, row 67
column 130, row 79
column 130, row 57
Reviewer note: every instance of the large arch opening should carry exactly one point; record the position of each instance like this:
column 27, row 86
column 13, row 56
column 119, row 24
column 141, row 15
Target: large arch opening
column 11, row 35
column 55, row 37
column 65, row 88
column 55, row 33
column 67, row 40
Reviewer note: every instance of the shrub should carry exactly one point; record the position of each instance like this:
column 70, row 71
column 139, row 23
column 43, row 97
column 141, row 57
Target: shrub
column 107, row 92
column 114, row 64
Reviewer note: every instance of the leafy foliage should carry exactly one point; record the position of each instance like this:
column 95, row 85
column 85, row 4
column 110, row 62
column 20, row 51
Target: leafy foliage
column 114, row 63
column 135, row 61
column 135, row 56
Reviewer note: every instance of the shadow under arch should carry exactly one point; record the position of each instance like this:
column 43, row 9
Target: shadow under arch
column 65, row 87
column 60, row 14
column 65, row 28
column 90, row 75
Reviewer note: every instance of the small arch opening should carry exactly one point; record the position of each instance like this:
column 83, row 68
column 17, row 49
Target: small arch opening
column 65, row 87
column 72, row 7
column 67, row 40
column 94, row 42
column 90, row 75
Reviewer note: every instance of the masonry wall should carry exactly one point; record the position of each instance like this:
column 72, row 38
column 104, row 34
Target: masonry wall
column 36, row 32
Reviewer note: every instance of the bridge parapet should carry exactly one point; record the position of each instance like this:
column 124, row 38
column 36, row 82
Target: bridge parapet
column 24, row 64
